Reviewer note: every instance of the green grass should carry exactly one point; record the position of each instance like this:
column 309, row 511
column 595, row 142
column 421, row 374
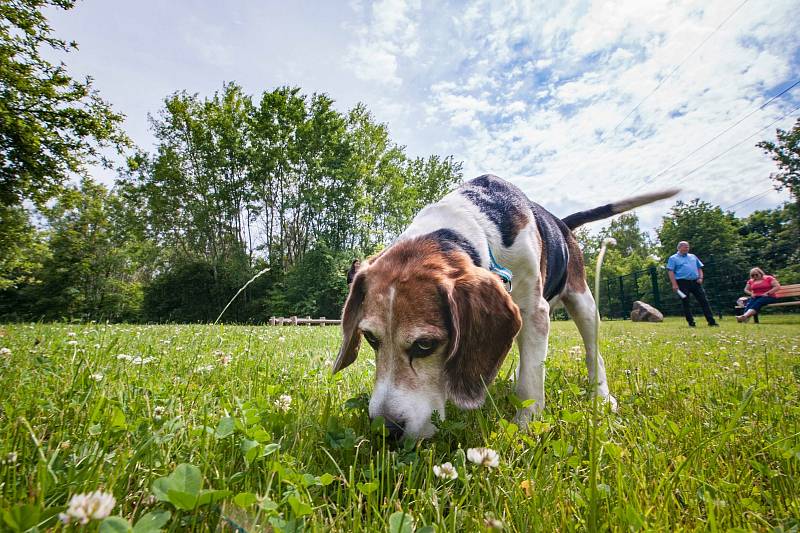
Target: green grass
column 707, row 436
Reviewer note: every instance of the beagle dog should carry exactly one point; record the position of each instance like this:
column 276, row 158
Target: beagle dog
column 441, row 312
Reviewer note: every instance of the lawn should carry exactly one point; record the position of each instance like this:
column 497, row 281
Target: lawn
column 244, row 428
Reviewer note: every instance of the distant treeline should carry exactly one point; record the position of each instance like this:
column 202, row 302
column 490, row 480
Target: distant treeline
column 237, row 184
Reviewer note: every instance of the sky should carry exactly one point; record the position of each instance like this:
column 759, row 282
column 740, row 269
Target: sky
column 577, row 103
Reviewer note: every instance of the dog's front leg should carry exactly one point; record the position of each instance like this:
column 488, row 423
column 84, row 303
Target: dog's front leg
column 532, row 343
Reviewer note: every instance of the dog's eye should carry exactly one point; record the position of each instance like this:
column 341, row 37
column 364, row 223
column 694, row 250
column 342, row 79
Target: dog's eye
column 422, row 348
column 371, row 339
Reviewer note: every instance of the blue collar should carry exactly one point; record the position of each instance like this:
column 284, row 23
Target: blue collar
column 504, row 273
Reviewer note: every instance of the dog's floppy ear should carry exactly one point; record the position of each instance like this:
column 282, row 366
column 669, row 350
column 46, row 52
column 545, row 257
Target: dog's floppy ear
column 351, row 316
column 484, row 323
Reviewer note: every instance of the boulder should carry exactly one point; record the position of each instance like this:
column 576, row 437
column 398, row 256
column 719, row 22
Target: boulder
column 643, row 312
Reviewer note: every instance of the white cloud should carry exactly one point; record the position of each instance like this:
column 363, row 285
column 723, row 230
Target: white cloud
column 389, row 34
column 531, row 91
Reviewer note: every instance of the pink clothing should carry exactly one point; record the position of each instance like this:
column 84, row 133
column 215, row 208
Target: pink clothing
column 761, row 286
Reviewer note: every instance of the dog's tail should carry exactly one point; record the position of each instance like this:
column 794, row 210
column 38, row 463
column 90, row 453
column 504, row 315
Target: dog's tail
column 580, row 218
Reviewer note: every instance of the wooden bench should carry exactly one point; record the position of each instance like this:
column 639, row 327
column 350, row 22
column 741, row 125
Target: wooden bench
column 786, row 291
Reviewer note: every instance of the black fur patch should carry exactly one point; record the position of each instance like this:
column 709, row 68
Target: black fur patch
column 451, row 240
column 554, row 244
column 590, row 215
column 503, row 203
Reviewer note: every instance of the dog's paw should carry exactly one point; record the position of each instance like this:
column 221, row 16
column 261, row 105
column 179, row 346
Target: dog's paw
column 612, row 403
column 522, row 418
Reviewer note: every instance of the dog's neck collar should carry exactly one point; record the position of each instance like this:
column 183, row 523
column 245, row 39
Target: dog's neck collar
column 505, row 274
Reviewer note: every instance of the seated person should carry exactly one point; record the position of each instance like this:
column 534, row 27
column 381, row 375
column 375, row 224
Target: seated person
column 761, row 288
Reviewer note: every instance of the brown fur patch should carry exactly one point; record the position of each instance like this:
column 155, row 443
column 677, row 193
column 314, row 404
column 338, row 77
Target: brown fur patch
column 576, row 274
column 447, row 297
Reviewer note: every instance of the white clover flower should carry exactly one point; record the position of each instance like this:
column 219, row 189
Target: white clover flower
column 141, row 360
column 124, row 357
column 484, row 456
column 96, row 346
column 445, row 471
column 281, row 339
column 71, row 334
column 5, row 352
column 97, row 376
column 493, row 523
column 72, row 342
column 736, row 364
column 93, row 506
column 11, row 458
column 225, row 359
column 204, row 368
column 283, row 403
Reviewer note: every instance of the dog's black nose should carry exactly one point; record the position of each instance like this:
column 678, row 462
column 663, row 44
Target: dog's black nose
column 395, row 429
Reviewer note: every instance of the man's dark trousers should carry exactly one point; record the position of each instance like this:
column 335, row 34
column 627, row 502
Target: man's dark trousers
column 690, row 286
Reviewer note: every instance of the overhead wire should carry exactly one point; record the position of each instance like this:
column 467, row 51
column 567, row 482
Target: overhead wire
column 604, row 138
column 674, row 70
column 685, row 176
column 749, row 199
column 652, row 178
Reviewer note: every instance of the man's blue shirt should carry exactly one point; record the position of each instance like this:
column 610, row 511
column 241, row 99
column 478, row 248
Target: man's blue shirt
column 685, row 266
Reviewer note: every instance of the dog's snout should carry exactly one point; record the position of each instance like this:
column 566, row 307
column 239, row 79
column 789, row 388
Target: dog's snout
column 395, row 429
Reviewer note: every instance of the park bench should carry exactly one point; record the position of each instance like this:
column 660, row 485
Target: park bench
column 786, row 291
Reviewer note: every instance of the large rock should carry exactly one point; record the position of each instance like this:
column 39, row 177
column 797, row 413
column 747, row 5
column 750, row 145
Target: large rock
column 643, row 312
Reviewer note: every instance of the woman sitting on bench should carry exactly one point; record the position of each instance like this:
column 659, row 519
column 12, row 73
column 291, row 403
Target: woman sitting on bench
column 761, row 289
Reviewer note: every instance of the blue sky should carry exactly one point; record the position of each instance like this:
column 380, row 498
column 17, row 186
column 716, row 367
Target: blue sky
column 535, row 92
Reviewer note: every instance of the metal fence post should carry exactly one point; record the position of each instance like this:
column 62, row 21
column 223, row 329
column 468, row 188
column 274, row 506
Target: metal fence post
column 622, row 312
column 654, row 285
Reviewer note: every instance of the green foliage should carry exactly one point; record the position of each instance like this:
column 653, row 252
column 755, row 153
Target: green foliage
column 786, row 154
column 711, row 232
column 22, row 249
column 85, row 271
column 769, row 241
column 197, row 291
column 51, row 125
column 316, row 286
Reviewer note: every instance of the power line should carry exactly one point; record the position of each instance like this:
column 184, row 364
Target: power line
column 604, row 138
column 682, row 178
column 674, row 70
column 718, row 135
column 750, row 199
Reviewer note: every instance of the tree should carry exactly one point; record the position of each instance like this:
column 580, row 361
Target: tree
column 710, row 231
column 21, row 248
column 786, row 154
column 769, row 241
column 51, row 125
column 89, row 273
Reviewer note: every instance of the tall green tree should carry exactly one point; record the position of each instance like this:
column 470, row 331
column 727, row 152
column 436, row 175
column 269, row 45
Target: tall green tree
column 712, row 232
column 786, row 154
column 89, row 273
column 769, row 241
column 22, row 248
column 51, row 125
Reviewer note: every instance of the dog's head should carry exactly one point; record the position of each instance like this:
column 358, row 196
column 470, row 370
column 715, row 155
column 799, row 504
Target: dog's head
column 440, row 328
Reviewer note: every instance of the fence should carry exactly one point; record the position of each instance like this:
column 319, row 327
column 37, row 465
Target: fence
column 723, row 285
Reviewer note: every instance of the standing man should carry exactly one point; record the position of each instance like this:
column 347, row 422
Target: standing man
column 686, row 276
